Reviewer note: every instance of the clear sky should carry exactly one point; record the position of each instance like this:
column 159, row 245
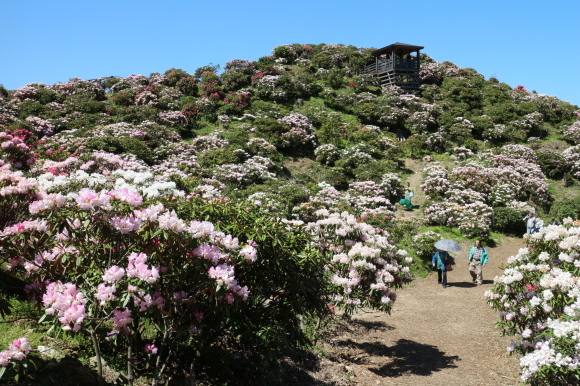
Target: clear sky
column 531, row 43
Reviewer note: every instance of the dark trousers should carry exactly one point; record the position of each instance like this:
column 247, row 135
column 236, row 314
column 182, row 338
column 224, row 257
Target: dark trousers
column 442, row 276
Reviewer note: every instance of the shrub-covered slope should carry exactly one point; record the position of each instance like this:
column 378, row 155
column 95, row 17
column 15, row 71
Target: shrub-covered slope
column 256, row 199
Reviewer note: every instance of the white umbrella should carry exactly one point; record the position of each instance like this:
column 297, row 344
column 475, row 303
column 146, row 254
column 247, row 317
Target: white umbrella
column 447, row 245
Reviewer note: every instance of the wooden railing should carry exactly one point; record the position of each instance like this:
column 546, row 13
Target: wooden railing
column 389, row 64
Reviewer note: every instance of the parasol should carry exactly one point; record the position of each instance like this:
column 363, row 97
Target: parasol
column 447, row 245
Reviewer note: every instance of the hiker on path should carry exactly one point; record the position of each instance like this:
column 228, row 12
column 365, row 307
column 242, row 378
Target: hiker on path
column 441, row 259
column 477, row 259
column 409, row 193
column 530, row 220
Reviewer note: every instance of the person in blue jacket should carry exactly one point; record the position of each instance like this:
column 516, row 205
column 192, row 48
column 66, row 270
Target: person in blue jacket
column 441, row 260
column 477, row 259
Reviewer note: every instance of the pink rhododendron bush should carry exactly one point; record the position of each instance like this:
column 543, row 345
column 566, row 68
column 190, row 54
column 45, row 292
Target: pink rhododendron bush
column 161, row 278
column 538, row 298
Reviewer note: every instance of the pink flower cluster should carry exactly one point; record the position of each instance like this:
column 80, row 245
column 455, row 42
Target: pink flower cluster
column 138, row 268
column 17, row 351
column 224, row 276
column 67, row 302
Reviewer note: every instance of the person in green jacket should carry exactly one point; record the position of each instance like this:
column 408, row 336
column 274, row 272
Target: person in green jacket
column 477, row 259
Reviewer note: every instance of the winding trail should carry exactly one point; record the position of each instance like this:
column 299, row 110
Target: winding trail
column 434, row 336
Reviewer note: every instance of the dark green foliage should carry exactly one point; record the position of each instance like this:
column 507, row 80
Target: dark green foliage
column 234, row 80
column 472, row 144
column 187, row 85
column 508, row 220
column 321, row 60
column 330, row 132
column 374, row 171
column 122, row 145
column 134, row 114
column 336, row 176
column 480, row 124
column 569, row 207
column 31, row 109
column 3, row 91
column 174, row 75
column 109, row 82
column 501, row 113
column 84, row 104
column 265, row 62
column 211, row 158
column 270, row 129
column 286, row 53
column 272, row 110
column 214, row 68
column 334, row 78
column 236, row 136
column 124, row 97
column 553, row 164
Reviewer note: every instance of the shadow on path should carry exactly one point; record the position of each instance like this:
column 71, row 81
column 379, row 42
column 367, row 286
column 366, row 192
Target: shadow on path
column 407, row 357
column 462, row 284
column 370, row 325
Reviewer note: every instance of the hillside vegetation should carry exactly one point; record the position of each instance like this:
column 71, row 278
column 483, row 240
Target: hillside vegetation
column 178, row 223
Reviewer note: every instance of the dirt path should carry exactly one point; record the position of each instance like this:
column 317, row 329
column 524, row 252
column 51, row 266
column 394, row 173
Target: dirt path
column 434, row 336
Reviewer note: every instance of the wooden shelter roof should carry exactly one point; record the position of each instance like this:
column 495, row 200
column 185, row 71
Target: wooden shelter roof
column 400, row 49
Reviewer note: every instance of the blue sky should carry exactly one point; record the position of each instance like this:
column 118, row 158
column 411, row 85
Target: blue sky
column 532, row 43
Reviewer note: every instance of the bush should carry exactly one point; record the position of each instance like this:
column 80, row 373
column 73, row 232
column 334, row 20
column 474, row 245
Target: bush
column 122, row 145
column 374, row 171
column 536, row 299
column 423, row 244
column 553, row 164
column 508, row 220
column 215, row 157
column 336, row 177
column 569, row 207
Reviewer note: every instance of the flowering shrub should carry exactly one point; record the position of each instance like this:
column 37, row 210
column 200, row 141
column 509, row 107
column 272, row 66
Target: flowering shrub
column 356, row 155
column 365, row 267
column 327, row 154
column 255, row 169
column 15, row 149
column 572, row 132
column 423, row 244
column 537, row 298
column 114, row 261
column 272, row 87
column 461, row 153
column 420, row 122
column 572, row 158
column 300, row 136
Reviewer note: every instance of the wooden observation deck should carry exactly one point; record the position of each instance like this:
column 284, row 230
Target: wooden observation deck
column 397, row 64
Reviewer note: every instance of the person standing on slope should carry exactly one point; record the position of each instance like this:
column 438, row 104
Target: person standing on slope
column 477, row 259
column 409, row 193
column 530, row 220
column 440, row 261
